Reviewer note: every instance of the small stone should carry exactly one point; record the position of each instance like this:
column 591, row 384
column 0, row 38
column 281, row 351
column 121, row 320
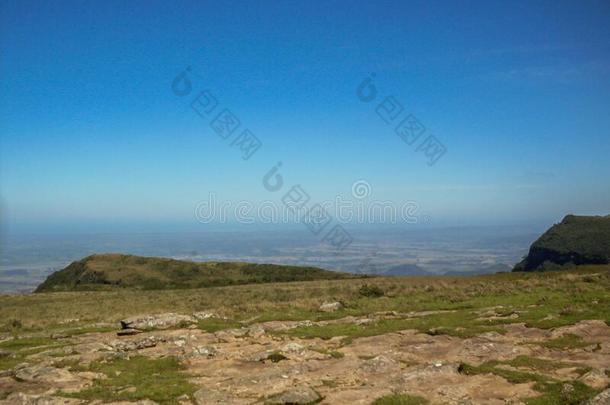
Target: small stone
column 256, row 331
column 127, row 346
column 128, row 332
column 274, row 357
column 378, row 364
column 208, row 351
column 296, row 396
column 204, row 315
column 331, row 306
column 293, row 347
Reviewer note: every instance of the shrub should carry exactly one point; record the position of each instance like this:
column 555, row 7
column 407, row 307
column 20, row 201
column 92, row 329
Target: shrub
column 371, row 291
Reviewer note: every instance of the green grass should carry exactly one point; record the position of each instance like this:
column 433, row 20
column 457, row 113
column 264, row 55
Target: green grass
column 87, row 329
column 568, row 341
column 8, row 362
column 70, row 364
column 20, row 348
column 162, row 380
column 544, row 365
column 540, row 298
column 400, row 399
column 347, row 329
column 27, row 343
column 459, row 323
column 212, row 325
column 552, row 391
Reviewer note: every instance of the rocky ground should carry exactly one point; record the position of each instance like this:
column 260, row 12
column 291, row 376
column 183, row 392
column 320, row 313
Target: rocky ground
column 268, row 362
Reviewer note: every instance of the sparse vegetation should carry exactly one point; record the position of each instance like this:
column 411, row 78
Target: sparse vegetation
column 539, row 299
column 460, row 307
column 214, row 324
column 400, row 399
column 18, row 349
column 371, row 291
column 111, row 271
column 568, row 341
column 543, row 365
column 161, row 380
column 552, row 391
column 276, row 357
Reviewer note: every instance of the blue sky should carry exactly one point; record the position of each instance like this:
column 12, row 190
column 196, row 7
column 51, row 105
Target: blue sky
column 91, row 132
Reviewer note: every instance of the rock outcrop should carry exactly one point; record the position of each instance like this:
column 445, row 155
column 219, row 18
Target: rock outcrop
column 160, row 321
column 576, row 240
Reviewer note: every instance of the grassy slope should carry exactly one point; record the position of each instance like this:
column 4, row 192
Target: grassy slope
column 568, row 296
column 543, row 300
column 116, row 270
column 576, row 240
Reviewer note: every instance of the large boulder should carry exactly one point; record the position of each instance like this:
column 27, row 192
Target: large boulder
column 159, row 321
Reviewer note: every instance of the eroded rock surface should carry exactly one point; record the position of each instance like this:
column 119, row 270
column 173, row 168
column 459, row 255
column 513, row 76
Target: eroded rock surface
column 266, row 363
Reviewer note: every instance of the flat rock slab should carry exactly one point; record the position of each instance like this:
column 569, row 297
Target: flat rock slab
column 160, row 321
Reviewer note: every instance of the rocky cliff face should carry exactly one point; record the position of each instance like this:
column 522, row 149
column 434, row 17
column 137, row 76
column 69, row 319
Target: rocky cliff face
column 576, row 240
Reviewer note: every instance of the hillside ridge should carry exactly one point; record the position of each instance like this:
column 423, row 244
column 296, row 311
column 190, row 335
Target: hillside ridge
column 112, row 270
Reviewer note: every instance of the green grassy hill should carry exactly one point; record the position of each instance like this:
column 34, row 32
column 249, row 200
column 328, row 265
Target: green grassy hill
column 576, row 240
column 106, row 271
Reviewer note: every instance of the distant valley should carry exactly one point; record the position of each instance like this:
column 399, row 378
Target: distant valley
column 28, row 259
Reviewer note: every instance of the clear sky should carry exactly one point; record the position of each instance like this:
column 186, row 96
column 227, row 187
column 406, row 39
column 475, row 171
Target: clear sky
column 517, row 91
